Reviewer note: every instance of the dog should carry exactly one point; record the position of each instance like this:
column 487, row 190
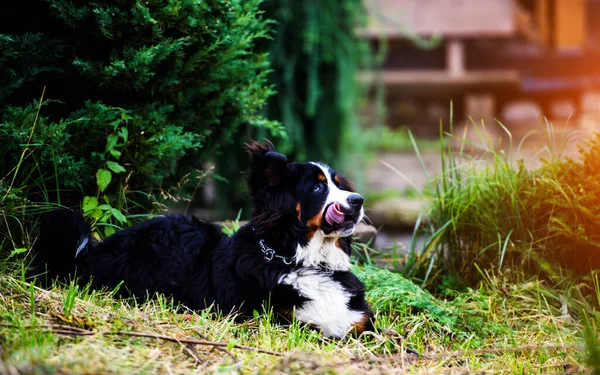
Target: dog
column 293, row 255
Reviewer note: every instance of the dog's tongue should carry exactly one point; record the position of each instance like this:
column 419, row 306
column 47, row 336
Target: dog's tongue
column 334, row 214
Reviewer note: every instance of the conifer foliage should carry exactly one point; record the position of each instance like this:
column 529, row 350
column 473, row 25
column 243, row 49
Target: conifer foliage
column 316, row 55
column 146, row 89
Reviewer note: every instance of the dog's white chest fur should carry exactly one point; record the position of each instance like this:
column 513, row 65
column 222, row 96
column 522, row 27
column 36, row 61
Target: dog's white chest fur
column 327, row 307
column 321, row 251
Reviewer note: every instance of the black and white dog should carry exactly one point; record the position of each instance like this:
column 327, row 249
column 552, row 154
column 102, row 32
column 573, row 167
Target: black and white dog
column 294, row 254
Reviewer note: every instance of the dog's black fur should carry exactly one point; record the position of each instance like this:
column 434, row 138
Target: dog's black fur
column 199, row 266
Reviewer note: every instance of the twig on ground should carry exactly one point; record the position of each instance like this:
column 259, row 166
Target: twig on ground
column 223, row 350
column 459, row 353
column 49, row 326
column 194, row 341
column 74, row 331
column 193, row 353
column 478, row 352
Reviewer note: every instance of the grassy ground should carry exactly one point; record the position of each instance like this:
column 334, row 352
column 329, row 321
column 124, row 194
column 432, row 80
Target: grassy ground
column 502, row 327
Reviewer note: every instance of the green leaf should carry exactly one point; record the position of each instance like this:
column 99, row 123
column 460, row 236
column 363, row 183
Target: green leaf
column 96, row 214
column 111, row 141
column 124, row 133
column 115, row 167
column 115, row 153
column 109, row 230
column 89, row 204
column 118, row 215
column 16, row 251
column 106, row 215
column 105, row 207
column 103, row 178
column 115, row 123
column 125, row 117
column 231, row 344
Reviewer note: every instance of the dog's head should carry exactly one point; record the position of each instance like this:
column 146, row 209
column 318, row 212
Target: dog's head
column 311, row 197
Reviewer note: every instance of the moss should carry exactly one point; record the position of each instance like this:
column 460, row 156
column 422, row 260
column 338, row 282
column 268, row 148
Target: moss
column 389, row 291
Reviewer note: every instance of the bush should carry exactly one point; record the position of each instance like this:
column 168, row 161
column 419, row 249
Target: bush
column 146, row 91
column 499, row 214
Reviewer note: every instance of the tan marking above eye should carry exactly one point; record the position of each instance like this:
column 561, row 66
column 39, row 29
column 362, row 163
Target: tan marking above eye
column 321, row 177
column 336, row 179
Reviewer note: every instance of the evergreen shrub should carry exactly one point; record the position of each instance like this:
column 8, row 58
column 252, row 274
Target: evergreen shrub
column 146, row 90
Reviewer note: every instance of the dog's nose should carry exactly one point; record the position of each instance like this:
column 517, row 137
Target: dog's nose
column 355, row 201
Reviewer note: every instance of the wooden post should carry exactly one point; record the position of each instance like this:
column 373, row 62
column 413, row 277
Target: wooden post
column 569, row 17
column 542, row 20
column 455, row 57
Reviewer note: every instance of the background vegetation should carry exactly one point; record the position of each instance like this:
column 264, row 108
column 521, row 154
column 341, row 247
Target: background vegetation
column 315, row 55
column 189, row 82
column 152, row 87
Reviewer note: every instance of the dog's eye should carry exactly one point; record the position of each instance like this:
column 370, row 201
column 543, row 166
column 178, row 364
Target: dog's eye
column 317, row 188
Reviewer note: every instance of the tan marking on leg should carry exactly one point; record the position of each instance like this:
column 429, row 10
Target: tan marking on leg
column 360, row 326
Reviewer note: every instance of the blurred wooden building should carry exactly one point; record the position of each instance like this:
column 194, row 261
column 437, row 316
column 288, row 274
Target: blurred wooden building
column 490, row 53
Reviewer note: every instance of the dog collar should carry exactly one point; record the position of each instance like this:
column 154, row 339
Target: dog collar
column 270, row 253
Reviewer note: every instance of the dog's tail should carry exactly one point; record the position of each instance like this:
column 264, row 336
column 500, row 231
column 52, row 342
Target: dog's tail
column 63, row 241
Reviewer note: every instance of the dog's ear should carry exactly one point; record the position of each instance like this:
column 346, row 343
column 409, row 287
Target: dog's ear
column 267, row 167
column 276, row 164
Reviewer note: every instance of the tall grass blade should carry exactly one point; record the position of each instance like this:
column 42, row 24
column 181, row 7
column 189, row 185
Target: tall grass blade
column 421, row 161
column 503, row 250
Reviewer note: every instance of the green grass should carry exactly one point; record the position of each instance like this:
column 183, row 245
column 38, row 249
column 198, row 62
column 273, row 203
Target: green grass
column 50, row 331
column 498, row 214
